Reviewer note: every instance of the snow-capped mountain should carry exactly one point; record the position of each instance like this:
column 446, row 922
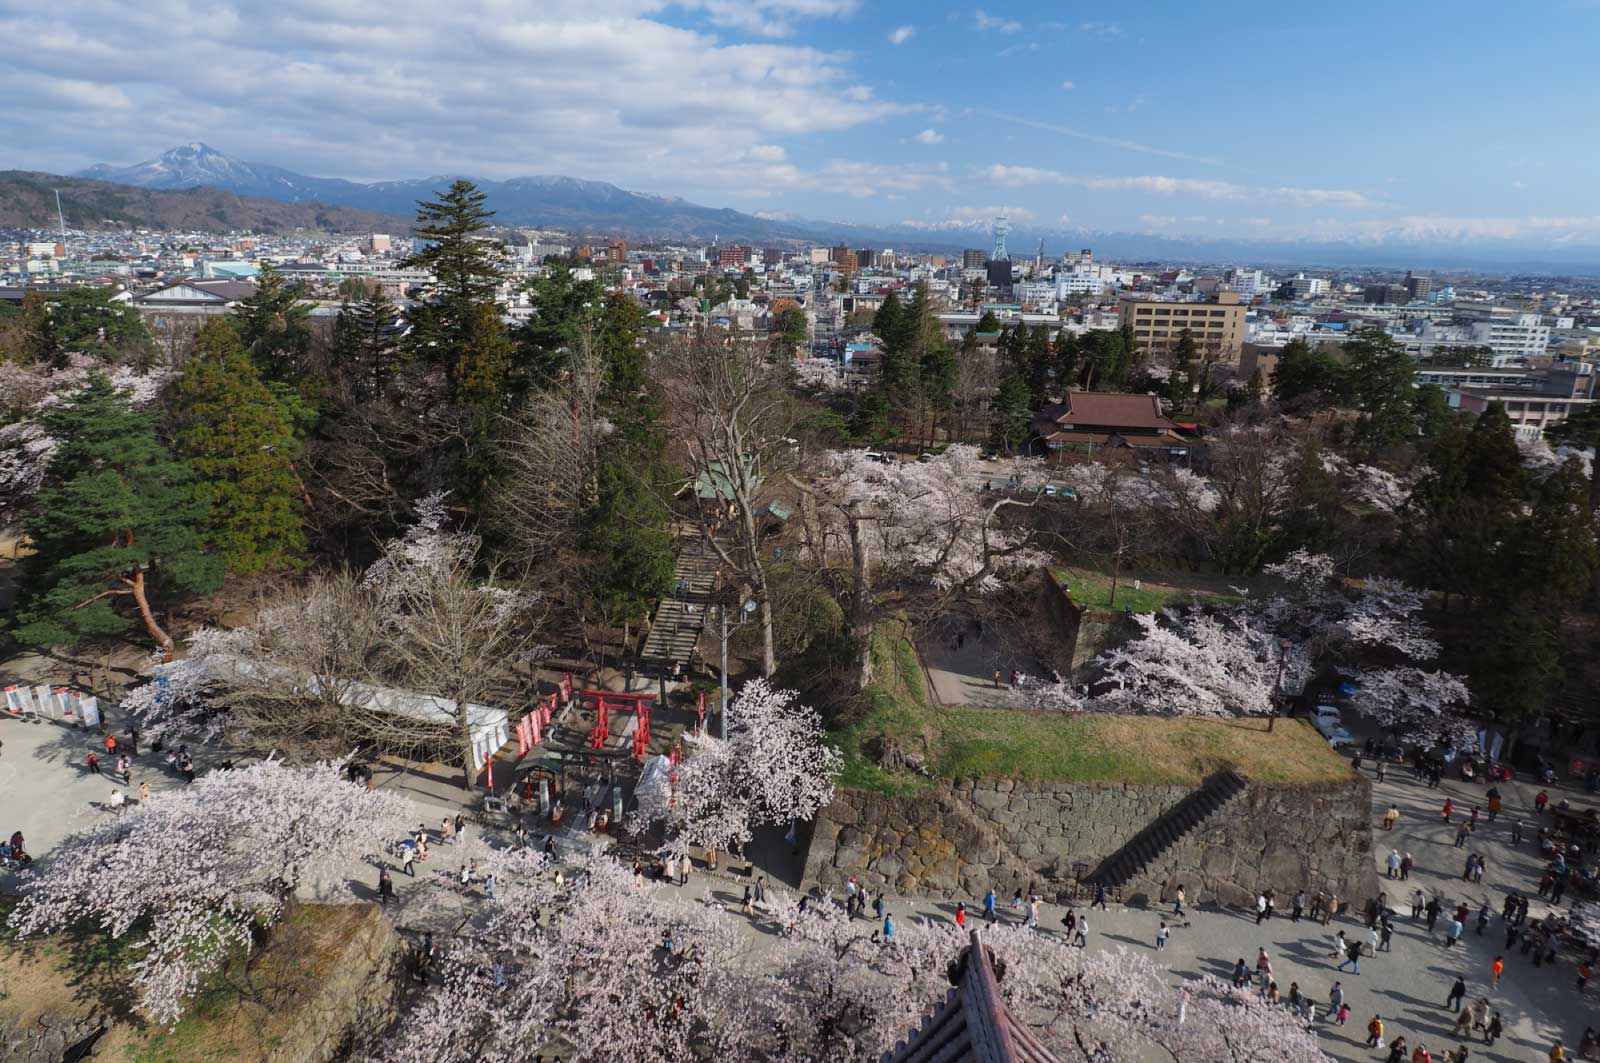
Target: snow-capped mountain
column 199, row 165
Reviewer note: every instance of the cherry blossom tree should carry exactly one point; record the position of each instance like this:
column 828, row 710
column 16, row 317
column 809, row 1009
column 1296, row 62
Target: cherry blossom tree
column 615, row 971
column 932, row 520
column 193, row 874
column 775, row 767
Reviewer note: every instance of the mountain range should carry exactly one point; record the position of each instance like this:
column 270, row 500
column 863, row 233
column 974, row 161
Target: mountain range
column 545, row 201
column 28, row 201
column 201, row 178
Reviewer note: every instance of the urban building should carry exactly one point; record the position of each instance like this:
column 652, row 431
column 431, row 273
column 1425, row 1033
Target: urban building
column 733, row 255
column 1108, row 419
column 618, row 251
column 973, row 258
column 1418, row 288
column 1217, row 326
column 1386, row 294
column 1554, row 395
column 1517, row 338
column 379, row 243
column 866, row 257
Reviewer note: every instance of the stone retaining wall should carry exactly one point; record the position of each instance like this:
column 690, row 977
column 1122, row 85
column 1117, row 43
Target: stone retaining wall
column 956, row 841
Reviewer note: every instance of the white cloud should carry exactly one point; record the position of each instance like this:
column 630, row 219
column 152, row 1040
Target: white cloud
column 970, row 219
column 1068, row 85
column 1101, row 29
column 901, row 34
column 318, row 86
column 767, row 18
column 1202, row 188
column 985, row 21
column 929, row 136
column 1158, row 221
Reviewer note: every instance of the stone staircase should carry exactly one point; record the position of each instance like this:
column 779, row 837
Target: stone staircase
column 1128, row 862
column 680, row 618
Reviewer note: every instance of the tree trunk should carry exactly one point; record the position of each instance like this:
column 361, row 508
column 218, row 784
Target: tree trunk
column 469, row 757
column 860, row 604
column 156, row 631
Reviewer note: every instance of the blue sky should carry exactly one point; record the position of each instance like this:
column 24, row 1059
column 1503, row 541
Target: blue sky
column 1365, row 121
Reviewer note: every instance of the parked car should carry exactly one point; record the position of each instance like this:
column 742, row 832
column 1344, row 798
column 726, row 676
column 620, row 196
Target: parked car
column 1331, row 728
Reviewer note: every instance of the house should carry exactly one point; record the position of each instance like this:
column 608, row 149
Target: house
column 196, row 297
column 1109, row 419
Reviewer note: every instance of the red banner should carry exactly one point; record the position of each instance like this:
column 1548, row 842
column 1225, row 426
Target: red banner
column 488, row 768
column 566, row 688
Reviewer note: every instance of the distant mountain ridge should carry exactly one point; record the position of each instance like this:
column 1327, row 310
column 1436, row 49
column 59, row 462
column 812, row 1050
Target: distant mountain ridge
column 541, row 201
column 28, row 201
column 595, row 208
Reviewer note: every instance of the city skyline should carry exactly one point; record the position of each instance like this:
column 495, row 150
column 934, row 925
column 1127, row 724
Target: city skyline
column 1311, row 125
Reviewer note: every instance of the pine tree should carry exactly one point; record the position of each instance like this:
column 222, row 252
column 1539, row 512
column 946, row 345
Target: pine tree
column 121, row 521
column 563, row 308
column 85, row 320
column 886, row 322
column 1180, row 386
column 451, row 329
column 1011, row 421
column 1381, row 379
column 240, row 441
column 366, row 344
column 1067, row 354
column 274, row 325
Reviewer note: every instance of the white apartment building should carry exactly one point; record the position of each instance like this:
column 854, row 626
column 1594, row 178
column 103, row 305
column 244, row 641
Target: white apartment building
column 1304, row 287
column 1247, row 282
column 1512, row 339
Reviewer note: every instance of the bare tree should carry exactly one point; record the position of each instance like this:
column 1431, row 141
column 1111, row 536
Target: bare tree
column 732, row 412
column 550, row 456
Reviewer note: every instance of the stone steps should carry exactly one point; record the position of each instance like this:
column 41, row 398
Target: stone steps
column 680, row 619
column 1148, row 845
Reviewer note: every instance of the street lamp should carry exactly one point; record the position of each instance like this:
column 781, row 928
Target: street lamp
column 746, row 607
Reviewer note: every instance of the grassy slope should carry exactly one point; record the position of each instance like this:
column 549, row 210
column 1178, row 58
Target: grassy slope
column 963, row 742
column 1092, row 590
column 241, row 1014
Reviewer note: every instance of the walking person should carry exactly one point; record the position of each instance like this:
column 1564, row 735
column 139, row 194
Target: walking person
column 1418, row 899
column 1177, row 900
column 1162, row 934
column 1458, row 993
column 1352, row 956
column 1374, row 1031
column 1406, row 864
column 961, row 915
column 93, row 762
column 385, row 886
column 1100, row 897
column 409, row 866
column 988, row 907
column 888, row 927
column 1297, row 906
column 144, row 793
column 1335, row 998
column 1261, row 908
column 1496, row 969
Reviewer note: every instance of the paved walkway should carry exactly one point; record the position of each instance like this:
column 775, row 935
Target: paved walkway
column 49, row 793
column 961, row 668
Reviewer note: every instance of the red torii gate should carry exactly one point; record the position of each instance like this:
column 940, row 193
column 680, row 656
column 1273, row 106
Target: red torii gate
column 605, row 701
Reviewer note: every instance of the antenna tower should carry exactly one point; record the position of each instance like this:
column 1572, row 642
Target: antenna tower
column 1001, row 228
column 60, row 217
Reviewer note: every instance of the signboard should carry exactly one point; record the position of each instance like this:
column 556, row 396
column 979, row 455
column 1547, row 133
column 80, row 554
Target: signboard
column 89, row 710
column 18, row 700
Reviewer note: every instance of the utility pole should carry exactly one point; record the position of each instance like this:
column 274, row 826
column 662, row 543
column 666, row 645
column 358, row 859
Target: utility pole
column 722, row 675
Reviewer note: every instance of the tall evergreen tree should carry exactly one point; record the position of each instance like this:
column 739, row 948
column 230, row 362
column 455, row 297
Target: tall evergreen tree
column 1307, row 379
column 1381, row 379
column 240, row 442
column 366, row 345
column 450, row 329
column 1010, row 425
column 85, row 320
column 274, row 325
column 1180, row 386
column 563, row 307
column 1067, row 355
column 886, row 322
column 120, row 521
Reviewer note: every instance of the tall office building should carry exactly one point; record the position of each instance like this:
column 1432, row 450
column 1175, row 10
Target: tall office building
column 1217, row 326
column 972, row 258
column 1418, row 287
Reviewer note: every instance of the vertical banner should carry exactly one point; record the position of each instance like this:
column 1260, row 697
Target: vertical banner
column 89, row 710
column 700, row 712
column 488, row 771
column 1497, row 745
column 47, row 704
column 535, row 735
column 14, row 703
column 64, row 707
column 566, row 688
column 544, row 797
column 522, row 737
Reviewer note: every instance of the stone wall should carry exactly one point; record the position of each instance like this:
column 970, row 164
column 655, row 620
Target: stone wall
column 1074, row 635
column 956, row 841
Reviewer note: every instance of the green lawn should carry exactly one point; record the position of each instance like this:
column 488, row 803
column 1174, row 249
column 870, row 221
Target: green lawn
column 966, row 742
column 1092, row 590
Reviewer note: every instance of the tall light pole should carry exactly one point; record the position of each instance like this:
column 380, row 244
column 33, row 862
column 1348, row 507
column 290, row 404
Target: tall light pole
column 747, row 607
